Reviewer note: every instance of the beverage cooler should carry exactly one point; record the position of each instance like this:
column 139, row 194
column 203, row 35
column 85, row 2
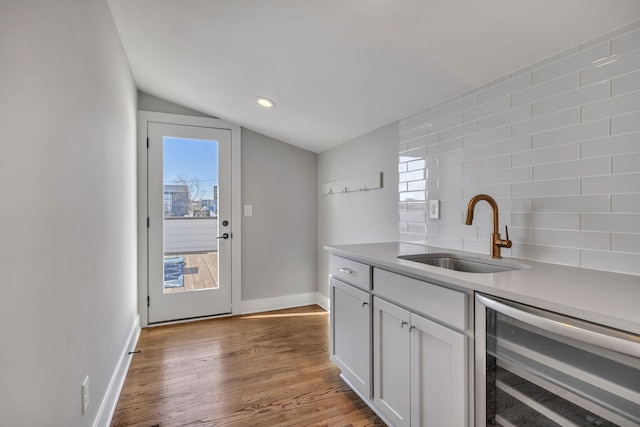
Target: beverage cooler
column 537, row 368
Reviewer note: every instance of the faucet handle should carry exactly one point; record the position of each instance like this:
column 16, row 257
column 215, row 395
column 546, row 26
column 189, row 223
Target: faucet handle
column 506, row 231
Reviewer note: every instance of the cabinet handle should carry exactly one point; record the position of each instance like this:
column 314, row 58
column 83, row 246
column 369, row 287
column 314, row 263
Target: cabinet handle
column 345, row 270
column 364, row 303
column 404, row 322
column 411, row 328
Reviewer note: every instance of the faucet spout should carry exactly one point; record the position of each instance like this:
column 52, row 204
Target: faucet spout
column 496, row 241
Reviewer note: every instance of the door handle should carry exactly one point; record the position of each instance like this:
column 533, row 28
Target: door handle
column 224, row 236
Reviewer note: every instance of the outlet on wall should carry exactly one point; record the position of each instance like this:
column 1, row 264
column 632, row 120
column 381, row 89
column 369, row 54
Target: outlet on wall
column 434, row 209
column 85, row 394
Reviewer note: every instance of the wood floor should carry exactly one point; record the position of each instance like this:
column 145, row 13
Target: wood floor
column 200, row 271
column 267, row 369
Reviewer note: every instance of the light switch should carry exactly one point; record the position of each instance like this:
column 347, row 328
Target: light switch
column 434, row 209
column 248, row 210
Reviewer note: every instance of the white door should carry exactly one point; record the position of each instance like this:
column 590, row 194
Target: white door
column 438, row 375
column 391, row 362
column 190, row 230
column 351, row 334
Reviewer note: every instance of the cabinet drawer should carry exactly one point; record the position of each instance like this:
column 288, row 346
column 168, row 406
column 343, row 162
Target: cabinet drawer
column 437, row 302
column 349, row 271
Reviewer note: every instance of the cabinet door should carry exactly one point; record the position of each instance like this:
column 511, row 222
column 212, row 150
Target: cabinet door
column 438, row 375
column 351, row 335
column 391, row 362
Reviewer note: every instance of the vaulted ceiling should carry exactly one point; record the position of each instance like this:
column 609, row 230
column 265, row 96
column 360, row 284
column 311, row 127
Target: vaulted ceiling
column 340, row 68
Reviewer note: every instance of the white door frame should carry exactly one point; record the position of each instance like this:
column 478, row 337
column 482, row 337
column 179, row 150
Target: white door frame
column 144, row 117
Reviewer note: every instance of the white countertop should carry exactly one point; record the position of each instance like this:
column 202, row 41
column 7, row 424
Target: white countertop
column 610, row 299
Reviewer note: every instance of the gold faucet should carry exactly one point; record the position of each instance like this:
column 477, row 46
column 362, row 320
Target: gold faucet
column 496, row 241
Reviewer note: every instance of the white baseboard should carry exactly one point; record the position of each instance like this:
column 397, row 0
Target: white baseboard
column 278, row 303
column 322, row 301
column 110, row 400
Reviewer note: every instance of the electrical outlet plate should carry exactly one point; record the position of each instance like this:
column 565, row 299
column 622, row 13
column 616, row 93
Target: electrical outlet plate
column 85, row 394
column 434, row 209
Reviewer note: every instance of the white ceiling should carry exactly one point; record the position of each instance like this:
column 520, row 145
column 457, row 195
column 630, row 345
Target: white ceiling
column 340, row 68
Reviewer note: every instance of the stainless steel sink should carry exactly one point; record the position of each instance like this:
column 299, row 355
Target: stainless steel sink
column 459, row 263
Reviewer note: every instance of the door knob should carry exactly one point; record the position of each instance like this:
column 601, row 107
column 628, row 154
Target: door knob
column 224, row 236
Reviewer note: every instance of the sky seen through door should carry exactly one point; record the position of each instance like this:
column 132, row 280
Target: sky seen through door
column 195, row 159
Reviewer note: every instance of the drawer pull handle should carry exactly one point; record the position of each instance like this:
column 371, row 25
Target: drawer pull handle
column 411, row 328
column 345, row 270
column 364, row 303
column 404, row 322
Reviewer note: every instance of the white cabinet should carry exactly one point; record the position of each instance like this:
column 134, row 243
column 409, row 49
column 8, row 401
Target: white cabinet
column 420, row 369
column 438, row 374
column 351, row 335
column 391, row 362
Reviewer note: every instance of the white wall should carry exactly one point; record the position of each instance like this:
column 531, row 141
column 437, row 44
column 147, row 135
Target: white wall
column 68, row 209
column 557, row 144
column 279, row 240
column 148, row 102
column 361, row 216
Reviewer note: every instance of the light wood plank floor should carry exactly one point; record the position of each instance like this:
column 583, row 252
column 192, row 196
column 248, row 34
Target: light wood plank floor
column 200, row 271
column 267, row 369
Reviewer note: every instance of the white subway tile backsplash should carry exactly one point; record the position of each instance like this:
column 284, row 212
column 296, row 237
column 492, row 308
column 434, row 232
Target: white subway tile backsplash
column 550, row 121
column 412, row 133
column 417, row 185
column 445, row 123
column 422, row 141
column 416, row 164
column 557, row 144
column 412, row 217
column 625, row 203
column 458, row 131
column 546, row 90
column 613, row 184
column 611, row 261
column 411, row 176
column 573, row 169
column 571, row 239
column 575, row 204
column 505, row 88
column 415, row 154
column 423, row 119
column 625, row 44
column 572, row 99
column 625, row 84
column 550, row 60
column 555, row 255
column 546, row 155
column 488, row 164
column 625, row 124
column 505, row 147
column 625, row 242
column 582, row 132
column 626, row 163
column 571, row 63
column 621, row 144
column 505, row 118
column 610, row 68
column 505, row 176
column 613, row 223
column 488, row 109
column 413, row 196
column 487, row 137
column 445, row 147
column 458, row 106
column 565, row 187
column 458, row 156
column 549, row 221
column 498, row 191
column 611, row 107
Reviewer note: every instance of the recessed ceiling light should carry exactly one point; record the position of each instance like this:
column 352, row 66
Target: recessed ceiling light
column 265, row 102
